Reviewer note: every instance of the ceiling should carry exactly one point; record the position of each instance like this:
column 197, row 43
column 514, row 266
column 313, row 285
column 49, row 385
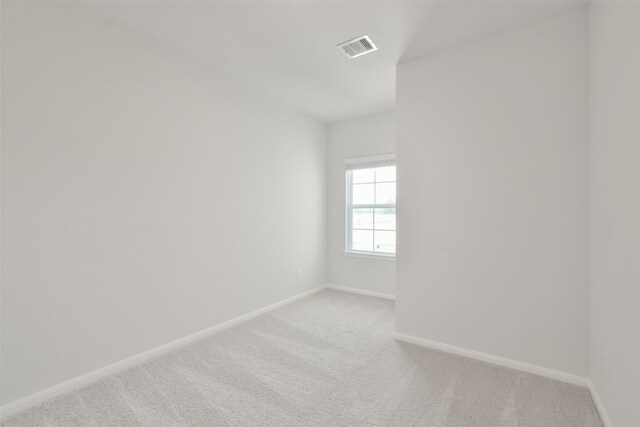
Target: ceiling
column 287, row 49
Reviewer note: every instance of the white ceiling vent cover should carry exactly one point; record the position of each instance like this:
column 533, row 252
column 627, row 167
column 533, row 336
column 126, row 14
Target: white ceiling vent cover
column 358, row 46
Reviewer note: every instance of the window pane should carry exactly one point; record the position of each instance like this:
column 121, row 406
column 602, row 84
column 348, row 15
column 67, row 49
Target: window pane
column 362, row 218
column 363, row 194
column 362, row 175
column 386, row 193
column 362, row 240
column 385, row 219
column 387, row 173
column 386, row 242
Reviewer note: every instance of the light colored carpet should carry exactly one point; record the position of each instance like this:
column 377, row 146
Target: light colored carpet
column 328, row 359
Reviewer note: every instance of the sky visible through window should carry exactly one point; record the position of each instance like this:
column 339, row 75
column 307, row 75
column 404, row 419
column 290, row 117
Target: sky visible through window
column 371, row 214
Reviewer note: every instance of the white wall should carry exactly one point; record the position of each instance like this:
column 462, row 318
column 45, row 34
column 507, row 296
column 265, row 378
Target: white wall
column 614, row 154
column 492, row 195
column 361, row 137
column 143, row 198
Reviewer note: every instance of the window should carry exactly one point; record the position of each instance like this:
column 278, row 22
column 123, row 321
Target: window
column 371, row 208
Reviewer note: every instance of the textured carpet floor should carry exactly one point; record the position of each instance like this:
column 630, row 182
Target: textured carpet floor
column 328, row 359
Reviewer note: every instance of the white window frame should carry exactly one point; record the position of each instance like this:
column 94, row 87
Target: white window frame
column 365, row 163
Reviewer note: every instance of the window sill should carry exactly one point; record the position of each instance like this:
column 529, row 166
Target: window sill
column 367, row 255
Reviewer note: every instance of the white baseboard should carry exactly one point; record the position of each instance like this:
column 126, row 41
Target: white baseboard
column 83, row 380
column 361, row 291
column 495, row 360
column 599, row 406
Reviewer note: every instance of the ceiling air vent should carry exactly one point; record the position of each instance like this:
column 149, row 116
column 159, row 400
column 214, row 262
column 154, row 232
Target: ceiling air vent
column 358, row 46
